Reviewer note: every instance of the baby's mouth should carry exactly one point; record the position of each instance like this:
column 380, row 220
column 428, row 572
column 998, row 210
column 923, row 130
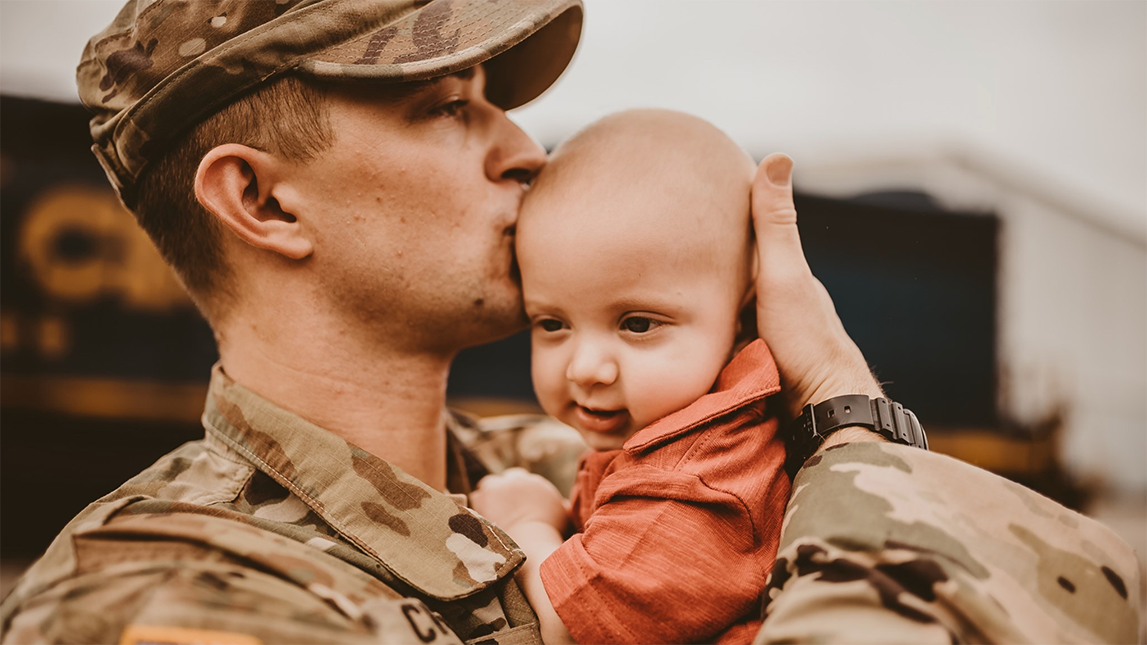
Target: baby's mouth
column 602, row 421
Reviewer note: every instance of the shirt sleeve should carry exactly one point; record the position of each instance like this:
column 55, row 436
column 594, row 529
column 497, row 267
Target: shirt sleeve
column 535, row 442
column 205, row 602
column 892, row 544
column 665, row 559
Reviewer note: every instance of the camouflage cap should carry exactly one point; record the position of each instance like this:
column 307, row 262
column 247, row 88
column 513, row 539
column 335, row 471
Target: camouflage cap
column 164, row 65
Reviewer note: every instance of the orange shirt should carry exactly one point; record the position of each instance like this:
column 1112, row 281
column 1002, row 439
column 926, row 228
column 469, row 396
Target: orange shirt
column 678, row 530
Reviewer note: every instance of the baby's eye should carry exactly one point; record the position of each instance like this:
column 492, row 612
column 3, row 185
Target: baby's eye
column 549, row 325
column 639, row 324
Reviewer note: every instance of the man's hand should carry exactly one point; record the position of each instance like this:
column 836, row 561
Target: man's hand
column 795, row 316
column 516, row 497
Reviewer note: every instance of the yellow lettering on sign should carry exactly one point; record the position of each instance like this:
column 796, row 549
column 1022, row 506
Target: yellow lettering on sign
column 54, row 337
column 109, row 254
column 9, row 331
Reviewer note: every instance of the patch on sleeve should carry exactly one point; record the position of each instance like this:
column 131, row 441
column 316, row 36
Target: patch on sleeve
column 163, row 635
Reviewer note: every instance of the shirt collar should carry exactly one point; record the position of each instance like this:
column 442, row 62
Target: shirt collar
column 748, row 378
column 424, row 537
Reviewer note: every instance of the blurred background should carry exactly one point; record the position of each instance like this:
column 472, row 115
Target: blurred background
column 972, row 187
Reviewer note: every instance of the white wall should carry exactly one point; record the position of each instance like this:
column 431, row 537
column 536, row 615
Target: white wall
column 1073, row 315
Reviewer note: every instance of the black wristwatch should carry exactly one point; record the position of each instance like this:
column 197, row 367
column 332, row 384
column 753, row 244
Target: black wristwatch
column 816, row 422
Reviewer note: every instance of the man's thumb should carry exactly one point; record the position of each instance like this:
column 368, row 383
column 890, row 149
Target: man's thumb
column 774, row 215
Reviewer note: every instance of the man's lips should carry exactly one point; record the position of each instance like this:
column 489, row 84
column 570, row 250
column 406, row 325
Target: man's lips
column 601, row 421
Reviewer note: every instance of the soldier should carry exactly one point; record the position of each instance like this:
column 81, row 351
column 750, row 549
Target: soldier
column 336, row 184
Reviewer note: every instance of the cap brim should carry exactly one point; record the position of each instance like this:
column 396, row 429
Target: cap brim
column 526, row 46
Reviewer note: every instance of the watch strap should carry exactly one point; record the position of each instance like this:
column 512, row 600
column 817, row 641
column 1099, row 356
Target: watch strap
column 888, row 418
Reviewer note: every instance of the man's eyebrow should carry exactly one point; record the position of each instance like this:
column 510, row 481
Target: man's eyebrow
column 406, row 90
column 464, row 74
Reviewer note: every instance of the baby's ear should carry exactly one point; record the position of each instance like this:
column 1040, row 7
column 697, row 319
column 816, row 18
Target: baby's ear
column 755, row 265
column 750, row 294
column 746, row 322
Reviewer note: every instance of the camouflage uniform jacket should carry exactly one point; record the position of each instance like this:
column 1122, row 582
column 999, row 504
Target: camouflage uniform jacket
column 271, row 529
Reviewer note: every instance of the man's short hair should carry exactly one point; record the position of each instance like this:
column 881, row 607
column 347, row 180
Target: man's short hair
column 287, row 117
column 164, row 65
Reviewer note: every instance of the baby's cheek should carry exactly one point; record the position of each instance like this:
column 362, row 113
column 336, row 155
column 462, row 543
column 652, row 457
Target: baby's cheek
column 672, row 384
column 548, row 375
column 657, row 402
column 666, row 395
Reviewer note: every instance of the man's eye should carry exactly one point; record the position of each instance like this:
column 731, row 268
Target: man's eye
column 550, row 325
column 453, row 108
column 639, row 324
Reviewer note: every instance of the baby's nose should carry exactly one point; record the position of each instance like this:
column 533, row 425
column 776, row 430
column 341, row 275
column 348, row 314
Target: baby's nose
column 591, row 366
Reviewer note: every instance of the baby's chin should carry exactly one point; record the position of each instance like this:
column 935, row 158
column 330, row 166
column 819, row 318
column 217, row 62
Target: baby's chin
column 603, row 442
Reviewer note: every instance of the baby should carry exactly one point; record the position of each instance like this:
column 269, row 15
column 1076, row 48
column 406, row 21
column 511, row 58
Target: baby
column 637, row 262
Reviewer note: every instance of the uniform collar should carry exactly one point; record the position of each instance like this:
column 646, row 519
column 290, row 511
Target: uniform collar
column 424, row 537
column 749, row 377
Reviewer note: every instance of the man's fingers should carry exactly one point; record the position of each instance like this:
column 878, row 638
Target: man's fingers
column 774, row 216
column 795, row 315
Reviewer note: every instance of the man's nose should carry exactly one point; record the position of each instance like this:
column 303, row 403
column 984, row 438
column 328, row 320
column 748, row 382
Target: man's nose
column 591, row 365
column 515, row 155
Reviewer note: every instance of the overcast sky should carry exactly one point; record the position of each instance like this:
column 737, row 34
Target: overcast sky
column 1057, row 89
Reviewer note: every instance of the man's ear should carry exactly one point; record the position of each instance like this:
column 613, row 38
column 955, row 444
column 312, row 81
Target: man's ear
column 238, row 184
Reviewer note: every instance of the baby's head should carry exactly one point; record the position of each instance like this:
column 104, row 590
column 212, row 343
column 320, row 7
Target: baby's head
column 636, row 255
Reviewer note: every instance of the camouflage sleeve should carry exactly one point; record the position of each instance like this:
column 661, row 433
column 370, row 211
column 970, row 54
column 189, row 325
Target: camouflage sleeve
column 891, row 544
column 128, row 584
column 174, row 603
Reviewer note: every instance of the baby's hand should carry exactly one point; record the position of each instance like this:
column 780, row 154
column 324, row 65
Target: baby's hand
column 516, row 497
column 532, row 511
